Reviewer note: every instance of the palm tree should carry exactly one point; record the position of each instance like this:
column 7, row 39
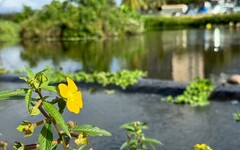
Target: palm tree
column 135, row 4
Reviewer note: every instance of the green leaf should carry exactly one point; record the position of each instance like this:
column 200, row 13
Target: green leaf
column 34, row 111
column 61, row 105
column 124, row 146
column 127, row 126
column 18, row 146
column 54, row 146
column 90, row 130
column 29, row 72
column 52, row 110
column 12, row 94
column 28, row 99
column 46, row 137
column 24, row 78
column 26, row 127
column 152, row 141
column 81, row 148
column 50, row 88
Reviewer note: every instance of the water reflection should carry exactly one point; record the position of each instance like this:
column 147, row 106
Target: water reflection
column 178, row 55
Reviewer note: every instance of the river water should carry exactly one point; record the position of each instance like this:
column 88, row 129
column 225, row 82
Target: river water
column 179, row 127
column 178, row 55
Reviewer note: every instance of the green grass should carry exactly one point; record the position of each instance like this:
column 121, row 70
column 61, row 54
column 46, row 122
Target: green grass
column 162, row 22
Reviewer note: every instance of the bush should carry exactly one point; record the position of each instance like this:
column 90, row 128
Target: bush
column 8, row 31
column 84, row 20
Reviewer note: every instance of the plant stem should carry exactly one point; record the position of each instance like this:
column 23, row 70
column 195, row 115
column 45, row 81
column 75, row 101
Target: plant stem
column 54, row 123
column 61, row 136
column 3, row 144
column 43, row 121
column 34, row 146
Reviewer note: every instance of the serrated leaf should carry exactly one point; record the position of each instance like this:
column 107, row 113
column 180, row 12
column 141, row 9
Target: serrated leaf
column 50, row 88
column 29, row 72
column 90, row 130
column 46, row 137
column 52, row 110
column 28, row 99
column 12, row 94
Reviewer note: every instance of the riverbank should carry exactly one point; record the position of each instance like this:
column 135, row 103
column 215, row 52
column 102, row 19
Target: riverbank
column 10, row 30
column 154, row 22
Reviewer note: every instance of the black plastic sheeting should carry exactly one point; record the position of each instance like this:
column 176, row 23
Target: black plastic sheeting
column 162, row 87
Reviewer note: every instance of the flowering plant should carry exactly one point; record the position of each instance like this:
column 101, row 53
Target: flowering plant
column 52, row 109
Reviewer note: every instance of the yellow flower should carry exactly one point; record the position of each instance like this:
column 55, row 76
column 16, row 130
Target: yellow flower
column 81, row 140
column 202, row 147
column 72, row 96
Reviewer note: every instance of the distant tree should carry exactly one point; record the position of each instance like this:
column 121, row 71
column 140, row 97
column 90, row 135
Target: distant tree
column 155, row 4
column 26, row 13
column 135, row 4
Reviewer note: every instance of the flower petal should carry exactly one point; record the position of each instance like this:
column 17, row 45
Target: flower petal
column 72, row 88
column 77, row 98
column 73, row 107
column 63, row 89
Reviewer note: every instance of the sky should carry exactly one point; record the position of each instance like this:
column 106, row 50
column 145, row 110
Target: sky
column 7, row 6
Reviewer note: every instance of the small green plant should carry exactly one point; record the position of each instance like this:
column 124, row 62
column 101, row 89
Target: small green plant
column 236, row 116
column 68, row 96
column 122, row 78
column 136, row 137
column 196, row 94
column 202, row 147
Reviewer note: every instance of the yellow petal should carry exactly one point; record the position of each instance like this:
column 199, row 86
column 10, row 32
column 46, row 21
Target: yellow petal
column 63, row 89
column 72, row 88
column 73, row 107
column 77, row 98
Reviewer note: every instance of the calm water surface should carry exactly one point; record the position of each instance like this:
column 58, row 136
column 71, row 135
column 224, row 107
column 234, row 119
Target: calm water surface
column 179, row 127
column 178, row 55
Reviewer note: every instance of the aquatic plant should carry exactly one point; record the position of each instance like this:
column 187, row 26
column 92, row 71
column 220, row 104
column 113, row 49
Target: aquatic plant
column 136, row 138
column 196, row 93
column 122, row 78
column 236, row 116
column 67, row 96
column 3, row 70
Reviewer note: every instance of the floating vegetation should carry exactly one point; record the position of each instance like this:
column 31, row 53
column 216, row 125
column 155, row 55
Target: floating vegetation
column 196, row 94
